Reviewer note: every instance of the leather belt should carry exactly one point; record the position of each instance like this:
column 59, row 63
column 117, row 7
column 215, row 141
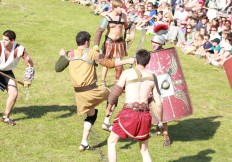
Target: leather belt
column 141, row 107
column 85, row 88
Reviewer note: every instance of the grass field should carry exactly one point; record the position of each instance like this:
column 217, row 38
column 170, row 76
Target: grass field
column 48, row 128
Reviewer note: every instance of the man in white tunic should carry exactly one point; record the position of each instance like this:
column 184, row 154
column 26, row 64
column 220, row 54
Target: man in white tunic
column 10, row 54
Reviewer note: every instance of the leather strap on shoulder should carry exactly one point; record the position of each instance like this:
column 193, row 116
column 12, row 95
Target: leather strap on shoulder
column 140, row 78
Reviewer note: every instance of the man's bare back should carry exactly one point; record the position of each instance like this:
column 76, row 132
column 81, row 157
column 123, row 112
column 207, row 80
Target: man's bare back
column 138, row 91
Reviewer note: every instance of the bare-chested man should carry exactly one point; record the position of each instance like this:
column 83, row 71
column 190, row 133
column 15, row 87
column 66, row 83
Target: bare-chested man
column 10, row 54
column 134, row 119
column 114, row 45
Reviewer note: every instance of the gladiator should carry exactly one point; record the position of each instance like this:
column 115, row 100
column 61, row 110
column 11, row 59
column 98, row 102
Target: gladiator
column 82, row 63
column 10, row 54
column 114, row 44
column 134, row 120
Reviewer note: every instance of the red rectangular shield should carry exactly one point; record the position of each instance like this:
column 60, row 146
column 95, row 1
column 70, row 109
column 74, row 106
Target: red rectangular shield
column 165, row 65
column 228, row 69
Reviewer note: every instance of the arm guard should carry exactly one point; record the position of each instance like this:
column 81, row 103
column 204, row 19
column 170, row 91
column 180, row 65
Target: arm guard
column 98, row 35
column 29, row 74
column 107, row 63
column 61, row 64
column 100, row 30
column 114, row 94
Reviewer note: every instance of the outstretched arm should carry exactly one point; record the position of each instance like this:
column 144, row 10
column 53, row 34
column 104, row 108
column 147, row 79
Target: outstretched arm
column 115, row 93
column 62, row 62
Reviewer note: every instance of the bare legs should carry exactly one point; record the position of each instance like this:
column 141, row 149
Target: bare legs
column 144, row 151
column 86, row 131
column 104, row 73
column 12, row 92
column 106, row 124
column 112, row 141
column 112, row 153
column 165, row 134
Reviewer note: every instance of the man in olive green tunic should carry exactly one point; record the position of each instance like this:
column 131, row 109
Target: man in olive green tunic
column 82, row 68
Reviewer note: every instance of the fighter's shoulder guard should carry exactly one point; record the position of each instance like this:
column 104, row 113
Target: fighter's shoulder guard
column 62, row 63
column 104, row 23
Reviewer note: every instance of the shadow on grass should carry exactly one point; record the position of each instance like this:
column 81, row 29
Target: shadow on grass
column 201, row 156
column 194, row 129
column 40, row 111
column 188, row 130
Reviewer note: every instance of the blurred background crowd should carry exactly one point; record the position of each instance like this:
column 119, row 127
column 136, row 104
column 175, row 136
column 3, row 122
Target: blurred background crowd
column 199, row 27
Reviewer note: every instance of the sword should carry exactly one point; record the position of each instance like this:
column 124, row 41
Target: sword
column 141, row 41
column 17, row 81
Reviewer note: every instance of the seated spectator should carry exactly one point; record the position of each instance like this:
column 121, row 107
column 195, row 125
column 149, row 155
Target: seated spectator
column 216, row 49
column 196, row 46
column 141, row 18
column 224, row 35
column 215, row 22
column 181, row 33
column 207, row 45
column 212, row 9
column 213, row 33
column 224, row 54
column 202, row 23
column 193, row 23
column 102, row 7
column 225, row 26
column 180, row 13
column 147, row 19
column 172, row 35
column 163, row 6
column 151, row 9
column 167, row 18
column 223, row 19
column 189, row 37
column 202, row 31
column 135, row 16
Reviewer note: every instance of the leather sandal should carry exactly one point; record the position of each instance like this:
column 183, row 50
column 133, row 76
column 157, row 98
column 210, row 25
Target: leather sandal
column 83, row 147
column 167, row 142
column 8, row 121
column 107, row 127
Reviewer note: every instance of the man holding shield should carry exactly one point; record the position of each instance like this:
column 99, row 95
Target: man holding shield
column 166, row 66
column 157, row 41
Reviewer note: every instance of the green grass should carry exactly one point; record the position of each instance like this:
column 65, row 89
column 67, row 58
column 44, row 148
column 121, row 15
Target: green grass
column 48, row 128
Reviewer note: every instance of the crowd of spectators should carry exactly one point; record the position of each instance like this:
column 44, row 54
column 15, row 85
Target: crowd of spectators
column 199, row 27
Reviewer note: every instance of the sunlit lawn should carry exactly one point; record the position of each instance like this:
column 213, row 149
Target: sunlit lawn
column 48, row 128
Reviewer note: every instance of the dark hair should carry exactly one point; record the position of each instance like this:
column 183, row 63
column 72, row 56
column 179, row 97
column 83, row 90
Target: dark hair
column 160, row 12
column 82, row 37
column 143, row 57
column 150, row 3
column 207, row 35
column 204, row 17
column 214, row 26
column 174, row 21
column 10, row 34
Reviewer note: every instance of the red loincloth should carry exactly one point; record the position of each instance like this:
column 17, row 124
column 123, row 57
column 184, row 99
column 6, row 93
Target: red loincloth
column 133, row 124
